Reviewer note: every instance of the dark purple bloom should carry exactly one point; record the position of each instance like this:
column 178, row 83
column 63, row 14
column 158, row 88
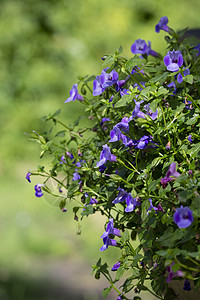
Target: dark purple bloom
column 139, row 47
column 93, row 201
column 168, row 146
column 74, row 94
column 143, row 142
column 151, row 206
column 131, row 203
column 183, row 217
column 197, row 48
column 190, row 138
column 28, row 176
column 110, row 231
column 188, row 104
column 119, row 298
column 62, row 160
column 115, row 134
column 173, row 60
column 103, row 81
column 106, row 155
column 70, row 155
column 172, row 274
column 97, row 86
column 76, row 176
column 137, row 112
column 38, row 190
column 116, row 266
column 150, row 113
column 64, row 209
column 187, row 286
column 123, row 125
column 102, row 168
column 172, row 85
column 121, row 197
column 138, row 86
column 162, row 25
column 180, row 76
column 109, row 79
column 124, row 92
column 104, row 120
column 150, row 51
column 171, row 175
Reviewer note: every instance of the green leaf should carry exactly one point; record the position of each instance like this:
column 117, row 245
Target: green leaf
column 124, row 100
column 153, row 185
column 125, row 237
column 88, row 210
column 61, row 133
column 188, row 78
column 161, row 78
column 193, row 120
column 194, row 150
column 133, row 62
column 158, row 285
column 119, row 273
column 106, row 291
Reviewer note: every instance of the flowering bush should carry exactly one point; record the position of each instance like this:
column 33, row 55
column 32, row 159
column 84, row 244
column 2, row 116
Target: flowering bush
column 137, row 164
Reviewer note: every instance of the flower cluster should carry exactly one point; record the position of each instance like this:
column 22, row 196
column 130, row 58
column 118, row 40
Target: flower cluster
column 137, row 163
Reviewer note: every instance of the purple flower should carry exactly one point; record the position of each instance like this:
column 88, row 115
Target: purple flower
column 162, row 25
column 190, row 138
column 172, row 274
column 110, row 231
column 97, row 86
column 93, row 201
column 197, row 48
column 137, row 112
column 104, row 120
column 173, row 60
column 102, row 168
column 131, row 203
column 173, row 86
column 139, row 47
column 103, row 81
column 180, row 76
column 150, row 113
column 74, row 94
column 76, row 176
column 116, row 266
column 151, row 206
column 187, row 286
column 150, row 51
column 171, row 175
column 124, row 92
column 183, row 217
column 38, row 190
column 108, row 79
column 70, row 155
column 28, row 176
column 143, row 142
column 62, row 160
column 121, row 196
column 115, row 134
column 106, row 155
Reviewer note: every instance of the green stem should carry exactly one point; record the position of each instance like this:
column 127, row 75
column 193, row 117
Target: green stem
column 113, row 286
column 184, row 266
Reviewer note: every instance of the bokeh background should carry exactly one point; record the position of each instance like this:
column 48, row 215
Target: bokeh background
column 44, row 46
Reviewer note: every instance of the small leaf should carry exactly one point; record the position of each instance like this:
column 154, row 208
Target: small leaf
column 106, row 291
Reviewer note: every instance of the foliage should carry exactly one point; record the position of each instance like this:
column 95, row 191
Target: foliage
column 137, row 163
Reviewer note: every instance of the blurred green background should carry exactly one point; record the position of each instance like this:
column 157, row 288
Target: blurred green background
column 44, row 46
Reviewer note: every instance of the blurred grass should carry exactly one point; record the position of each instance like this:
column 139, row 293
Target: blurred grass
column 44, row 46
